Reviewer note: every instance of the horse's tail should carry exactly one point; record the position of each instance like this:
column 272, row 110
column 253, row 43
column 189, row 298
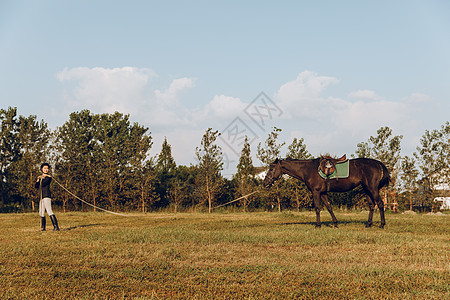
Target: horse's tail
column 385, row 177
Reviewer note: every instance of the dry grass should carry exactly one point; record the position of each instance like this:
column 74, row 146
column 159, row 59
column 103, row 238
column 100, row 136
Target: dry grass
column 224, row 256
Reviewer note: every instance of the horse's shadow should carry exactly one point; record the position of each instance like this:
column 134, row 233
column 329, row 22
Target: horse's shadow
column 80, row 226
column 324, row 224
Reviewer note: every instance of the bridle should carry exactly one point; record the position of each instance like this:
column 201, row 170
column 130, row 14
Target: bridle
column 272, row 173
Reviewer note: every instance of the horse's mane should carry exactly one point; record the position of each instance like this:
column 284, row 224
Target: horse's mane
column 295, row 159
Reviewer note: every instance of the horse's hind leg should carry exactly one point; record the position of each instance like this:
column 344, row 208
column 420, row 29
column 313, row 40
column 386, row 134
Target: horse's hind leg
column 380, row 204
column 324, row 198
column 375, row 195
column 371, row 209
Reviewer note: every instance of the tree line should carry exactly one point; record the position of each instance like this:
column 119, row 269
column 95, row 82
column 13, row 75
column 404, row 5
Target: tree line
column 105, row 160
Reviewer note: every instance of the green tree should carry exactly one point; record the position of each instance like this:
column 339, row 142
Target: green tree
column 103, row 157
column 9, row 152
column 245, row 175
column 23, row 142
column 409, row 176
column 271, row 149
column 123, row 148
column 210, row 160
column 165, row 162
column 144, row 184
column 34, row 138
column 182, row 187
column 77, row 157
column 296, row 190
column 267, row 154
column 384, row 147
column 165, row 166
column 297, row 150
column 432, row 156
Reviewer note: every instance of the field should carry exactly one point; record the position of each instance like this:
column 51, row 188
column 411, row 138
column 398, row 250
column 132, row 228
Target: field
column 224, row 256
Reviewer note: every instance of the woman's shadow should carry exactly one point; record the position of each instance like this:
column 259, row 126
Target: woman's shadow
column 80, row 226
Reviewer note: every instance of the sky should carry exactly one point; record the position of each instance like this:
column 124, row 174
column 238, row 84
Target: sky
column 330, row 72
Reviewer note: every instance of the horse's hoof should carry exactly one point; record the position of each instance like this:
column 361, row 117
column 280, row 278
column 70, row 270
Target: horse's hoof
column 336, row 226
column 368, row 225
column 382, row 226
column 318, row 225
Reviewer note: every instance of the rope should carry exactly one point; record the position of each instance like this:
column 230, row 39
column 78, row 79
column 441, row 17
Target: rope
column 114, row 213
column 105, row 210
column 235, row 200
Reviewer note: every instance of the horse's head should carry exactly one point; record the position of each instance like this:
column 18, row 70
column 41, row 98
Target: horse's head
column 273, row 174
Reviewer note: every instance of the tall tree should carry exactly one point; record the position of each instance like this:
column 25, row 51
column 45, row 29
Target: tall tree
column 23, row 142
column 297, row 150
column 123, row 148
column 409, row 175
column 181, row 189
column 102, row 156
column 271, row 149
column 34, row 138
column 245, row 174
column 296, row 190
column 210, row 160
column 384, row 147
column 165, row 162
column 144, row 184
column 267, row 154
column 165, row 166
column 9, row 151
column 77, row 160
column 433, row 160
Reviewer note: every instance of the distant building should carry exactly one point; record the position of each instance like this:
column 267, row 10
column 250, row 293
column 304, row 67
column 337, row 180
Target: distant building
column 260, row 172
column 438, row 184
column 443, row 190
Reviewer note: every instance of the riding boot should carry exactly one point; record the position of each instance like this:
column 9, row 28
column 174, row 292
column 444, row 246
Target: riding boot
column 54, row 222
column 42, row 223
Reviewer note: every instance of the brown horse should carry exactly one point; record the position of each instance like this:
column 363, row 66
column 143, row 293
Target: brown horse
column 371, row 174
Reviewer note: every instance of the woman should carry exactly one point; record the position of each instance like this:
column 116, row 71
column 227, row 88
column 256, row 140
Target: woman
column 45, row 203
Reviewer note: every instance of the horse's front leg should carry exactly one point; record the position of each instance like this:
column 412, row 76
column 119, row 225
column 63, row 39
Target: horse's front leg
column 329, row 208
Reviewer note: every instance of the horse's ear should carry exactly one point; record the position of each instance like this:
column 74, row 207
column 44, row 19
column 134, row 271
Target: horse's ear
column 276, row 161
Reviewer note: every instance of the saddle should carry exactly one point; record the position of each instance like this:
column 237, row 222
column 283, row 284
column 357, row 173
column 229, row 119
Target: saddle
column 331, row 168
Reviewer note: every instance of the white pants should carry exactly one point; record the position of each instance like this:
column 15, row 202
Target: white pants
column 45, row 205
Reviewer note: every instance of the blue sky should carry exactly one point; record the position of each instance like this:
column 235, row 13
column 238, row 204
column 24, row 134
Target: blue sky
column 333, row 72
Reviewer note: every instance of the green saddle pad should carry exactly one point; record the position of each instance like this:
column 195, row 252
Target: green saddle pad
column 342, row 171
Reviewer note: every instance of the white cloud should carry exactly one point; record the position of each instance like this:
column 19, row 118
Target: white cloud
column 336, row 125
column 418, row 98
column 224, row 107
column 170, row 95
column 302, row 95
column 106, row 90
column 126, row 90
column 365, row 95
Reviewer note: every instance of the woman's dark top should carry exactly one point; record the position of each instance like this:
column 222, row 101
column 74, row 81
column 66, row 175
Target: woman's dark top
column 44, row 186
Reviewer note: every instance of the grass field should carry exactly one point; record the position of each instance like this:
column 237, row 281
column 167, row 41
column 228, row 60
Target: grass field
column 224, row 256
